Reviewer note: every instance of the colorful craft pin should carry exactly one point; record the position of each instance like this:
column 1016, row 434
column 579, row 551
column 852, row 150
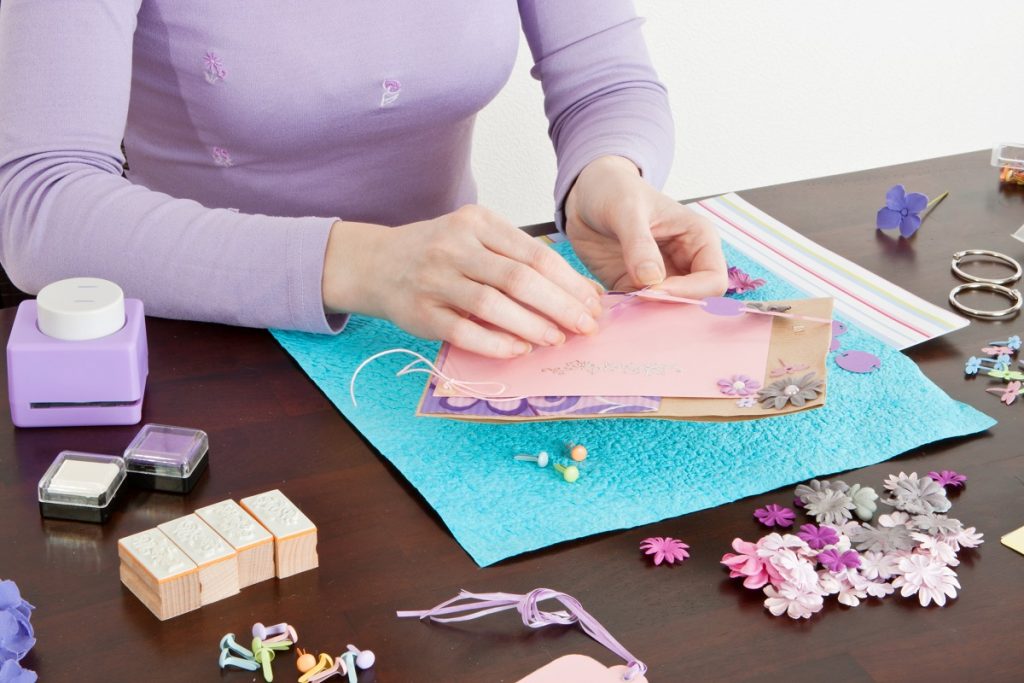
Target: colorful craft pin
column 364, row 658
column 325, row 662
column 577, row 452
column 1005, row 374
column 227, row 660
column 997, row 350
column 1009, row 393
column 228, row 643
column 1013, row 343
column 974, row 364
column 570, row 473
column 350, row 664
column 858, row 361
column 542, row 458
column 304, row 661
column 275, row 633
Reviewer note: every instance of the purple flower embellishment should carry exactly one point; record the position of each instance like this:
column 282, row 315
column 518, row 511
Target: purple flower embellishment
column 16, row 635
column 948, row 479
column 775, row 515
column 836, row 561
column 818, row 536
column 738, row 385
column 903, row 210
column 11, row 672
column 665, row 549
column 213, row 68
column 221, row 157
column 392, row 89
column 741, row 283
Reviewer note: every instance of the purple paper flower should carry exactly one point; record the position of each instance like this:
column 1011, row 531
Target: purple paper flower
column 902, row 210
column 948, row 479
column 818, row 536
column 16, row 636
column 741, row 283
column 11, row 672
column 775, row 515
column 738, row 385
column 836, row 561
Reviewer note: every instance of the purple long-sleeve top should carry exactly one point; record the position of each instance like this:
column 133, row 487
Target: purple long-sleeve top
column 250, row 127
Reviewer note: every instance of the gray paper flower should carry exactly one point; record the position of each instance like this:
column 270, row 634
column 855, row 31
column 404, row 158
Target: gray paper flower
column 829, row 506
column 790, row 390
column 881, row 539
column 817, row 486
column 863, row 498
column 938, row 525
column 916, row 496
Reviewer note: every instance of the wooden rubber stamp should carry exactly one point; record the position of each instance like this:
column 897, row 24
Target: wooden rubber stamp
column 216, row 559
column 253, row 543
column 294, row 534
column 159, row 574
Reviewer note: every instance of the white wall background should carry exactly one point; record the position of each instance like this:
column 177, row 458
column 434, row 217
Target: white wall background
column 769, row 92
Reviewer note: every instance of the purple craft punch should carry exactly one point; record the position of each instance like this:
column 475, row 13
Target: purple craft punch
column 77, row 356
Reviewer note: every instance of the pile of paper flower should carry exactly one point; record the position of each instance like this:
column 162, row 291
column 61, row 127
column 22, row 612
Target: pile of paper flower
column 16, row 636
column 912, row 549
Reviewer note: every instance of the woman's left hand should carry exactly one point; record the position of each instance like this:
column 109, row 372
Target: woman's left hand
column 631, row 236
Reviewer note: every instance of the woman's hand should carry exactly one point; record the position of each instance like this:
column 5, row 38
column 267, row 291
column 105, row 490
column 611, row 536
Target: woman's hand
column 632, row 236
column 469, row 277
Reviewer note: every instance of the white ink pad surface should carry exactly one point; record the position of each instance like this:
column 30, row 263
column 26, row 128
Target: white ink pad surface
column 80, row 486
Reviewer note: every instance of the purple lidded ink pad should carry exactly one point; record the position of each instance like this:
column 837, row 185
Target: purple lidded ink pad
column 167, row 458
column 80, row 486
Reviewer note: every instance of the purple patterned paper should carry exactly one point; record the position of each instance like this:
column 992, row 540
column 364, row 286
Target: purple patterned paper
column 538, row 406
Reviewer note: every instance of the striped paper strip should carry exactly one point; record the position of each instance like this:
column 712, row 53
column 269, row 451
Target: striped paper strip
column 877, row 306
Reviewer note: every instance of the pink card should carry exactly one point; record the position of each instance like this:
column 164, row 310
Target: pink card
column 643, row 348
column 579, row 669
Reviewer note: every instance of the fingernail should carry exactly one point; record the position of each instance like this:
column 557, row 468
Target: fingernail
column 554, row 337
column 594, row 306
column 649, row 273
column 586, row 324
column 520, row 348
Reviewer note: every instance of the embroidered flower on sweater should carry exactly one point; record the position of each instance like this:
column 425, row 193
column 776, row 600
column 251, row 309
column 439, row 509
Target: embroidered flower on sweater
column 213, row 68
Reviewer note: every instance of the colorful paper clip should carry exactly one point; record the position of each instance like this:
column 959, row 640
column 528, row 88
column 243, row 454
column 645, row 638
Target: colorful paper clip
column 974, row 364
column 1009, row 393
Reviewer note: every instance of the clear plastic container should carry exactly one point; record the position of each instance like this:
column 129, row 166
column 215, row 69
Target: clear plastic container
column 81, row 486
column 167, row 458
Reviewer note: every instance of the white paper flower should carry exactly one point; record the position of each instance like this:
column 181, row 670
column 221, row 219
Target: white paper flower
column 894, row 519
column 829, row 506
column 931, row 581
column 914, row 495
column 936, row 548
column 937, row 525
column 788, row 600
column 852, row 589
column 967, row 538
column 863, row 498
column 879, row 589
column 878, row 565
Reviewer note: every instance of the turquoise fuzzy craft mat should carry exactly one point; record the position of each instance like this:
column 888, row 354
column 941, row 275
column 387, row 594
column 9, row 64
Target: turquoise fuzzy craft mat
column 640, row 470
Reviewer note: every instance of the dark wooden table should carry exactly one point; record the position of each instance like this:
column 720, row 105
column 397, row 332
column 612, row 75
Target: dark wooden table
column 382, row 548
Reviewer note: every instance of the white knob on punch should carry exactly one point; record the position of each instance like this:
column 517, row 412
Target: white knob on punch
column 80, row 308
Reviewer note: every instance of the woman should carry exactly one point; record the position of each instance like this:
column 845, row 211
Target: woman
column 269, row 145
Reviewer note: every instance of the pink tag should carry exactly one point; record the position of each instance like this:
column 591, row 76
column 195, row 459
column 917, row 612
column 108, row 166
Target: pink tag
column 580, row 669
column 644, row 349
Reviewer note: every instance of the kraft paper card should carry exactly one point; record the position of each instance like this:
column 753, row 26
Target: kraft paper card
column 792, row 348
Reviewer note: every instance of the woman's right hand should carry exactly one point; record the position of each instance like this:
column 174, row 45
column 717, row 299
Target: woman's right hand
column 442, row 278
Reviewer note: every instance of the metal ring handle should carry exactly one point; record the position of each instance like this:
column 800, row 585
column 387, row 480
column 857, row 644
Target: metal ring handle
column 992, row 256
column 1012, row 294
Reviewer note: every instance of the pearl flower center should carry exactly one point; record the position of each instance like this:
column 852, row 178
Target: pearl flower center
column 739, row 385
column 791, row 390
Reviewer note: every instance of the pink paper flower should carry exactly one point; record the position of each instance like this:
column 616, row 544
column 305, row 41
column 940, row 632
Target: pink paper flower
column 738, row 385
column 745, row 562
column 877, row 565
column 741, row 283
column 668, row 550
column 775, row 515
column 948, row 479
column 931, row 581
